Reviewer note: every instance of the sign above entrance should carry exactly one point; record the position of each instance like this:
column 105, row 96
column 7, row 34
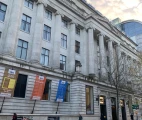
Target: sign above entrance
column 62, row 86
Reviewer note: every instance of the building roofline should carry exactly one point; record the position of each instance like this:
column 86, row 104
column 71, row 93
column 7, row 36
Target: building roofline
column 131, row 20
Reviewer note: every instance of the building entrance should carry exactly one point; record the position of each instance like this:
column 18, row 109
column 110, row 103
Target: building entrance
column 103, row 112
column 113, row 108
column 123, row 110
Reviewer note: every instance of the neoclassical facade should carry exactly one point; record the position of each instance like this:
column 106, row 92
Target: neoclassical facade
column 51, row 38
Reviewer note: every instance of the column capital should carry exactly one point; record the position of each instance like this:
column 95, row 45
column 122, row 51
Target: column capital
column 59, row 13
column 101, row 34
column 42, row 2
column 109, row 40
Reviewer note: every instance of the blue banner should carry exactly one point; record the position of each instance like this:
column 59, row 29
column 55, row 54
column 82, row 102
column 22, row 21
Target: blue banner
column 61, row 91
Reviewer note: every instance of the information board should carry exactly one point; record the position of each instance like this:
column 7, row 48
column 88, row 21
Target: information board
column 8, row 83
column 62, row 86
column 38, row 87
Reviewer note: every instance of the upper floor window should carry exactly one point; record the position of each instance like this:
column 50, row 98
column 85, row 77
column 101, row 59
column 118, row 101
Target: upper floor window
column 48, row 14
column 77, row 47
column 64, row 23
column 44, row 57
column 63, row 41
column 26, row 23
column 77, row 31
column 76, row 63
column 62, row 62
column 47, row 33
column 3, row 8
column 29, row 4
column 108, row 61
column 22, row 48
column 67, row 95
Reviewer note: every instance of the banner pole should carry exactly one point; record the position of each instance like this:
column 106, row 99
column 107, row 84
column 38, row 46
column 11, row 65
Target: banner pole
column 57, row 108
column 33, row 107
column 2, row 104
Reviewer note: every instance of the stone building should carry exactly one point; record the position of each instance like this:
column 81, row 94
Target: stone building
column 50, row 38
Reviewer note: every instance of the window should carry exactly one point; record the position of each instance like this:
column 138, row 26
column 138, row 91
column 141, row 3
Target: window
column 77, row 31
column 107, row 60
column 76, row 62
column 3, row 8
column 63, row 41
column 44, row 57
column 47, row 90
column 20, row 86
column 29, row 4
column 26, row 23
column 67, row 95
column 64, row 23
column 47, row 33
column 0, row 34
column 77, row 47
column 48, row 14
column 62, row 62
column 89, row 100
column 22, row 48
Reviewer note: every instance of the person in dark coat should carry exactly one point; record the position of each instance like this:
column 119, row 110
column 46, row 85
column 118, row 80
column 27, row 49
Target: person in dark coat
column 14, row 116
column 132, row 118
column 80, row 117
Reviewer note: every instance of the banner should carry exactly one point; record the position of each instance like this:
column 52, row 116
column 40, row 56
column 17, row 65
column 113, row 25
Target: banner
column 61, row 91
column 8, row 83
column 38, row 87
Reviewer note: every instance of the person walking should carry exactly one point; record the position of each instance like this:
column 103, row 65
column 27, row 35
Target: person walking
column 80, row 117
column 14, row 116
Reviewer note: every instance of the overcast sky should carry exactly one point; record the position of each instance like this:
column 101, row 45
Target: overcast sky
column 124, row 9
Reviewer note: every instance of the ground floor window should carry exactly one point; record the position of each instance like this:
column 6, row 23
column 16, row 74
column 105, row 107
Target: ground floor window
column 47, row 90
column 89, row 100
column 67, row 95
column 20, row 88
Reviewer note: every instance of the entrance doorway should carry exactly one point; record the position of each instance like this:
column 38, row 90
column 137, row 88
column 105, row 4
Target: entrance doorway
column 103, row 108
column 123, row 110
column 113, row 108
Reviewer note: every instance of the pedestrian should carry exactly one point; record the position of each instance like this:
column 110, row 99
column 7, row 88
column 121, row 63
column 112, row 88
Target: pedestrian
column 132, row 118
column 14, row 116
column 80, row 117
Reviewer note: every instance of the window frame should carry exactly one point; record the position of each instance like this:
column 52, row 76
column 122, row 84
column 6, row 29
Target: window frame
column 64, row 23
column 45, row 56
column 49, row 91
column 46, row 32
column 63, row 62
column 67, row 95
column 77, row 47
column 29, row 2
column 26, row 23
column 77, row 30
column 21, row 48
column 91, row 99
column 48, row 14
column 3, row 10
column 63, row 41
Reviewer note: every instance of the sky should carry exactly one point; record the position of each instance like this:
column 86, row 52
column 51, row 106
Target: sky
column 124, row 9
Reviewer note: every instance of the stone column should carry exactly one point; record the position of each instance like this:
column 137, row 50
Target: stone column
column 91, row 50
column 72, row 49
column 14, row 20
column 57, row 41
column 108, row 108
column 37, row 39
column 102, row 54
column 111, row 57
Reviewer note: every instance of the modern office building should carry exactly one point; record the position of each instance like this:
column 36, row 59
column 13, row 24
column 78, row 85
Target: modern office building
column 132, row 28
column 52, row 40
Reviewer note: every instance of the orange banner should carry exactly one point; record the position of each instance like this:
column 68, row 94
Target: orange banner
column 38, row 87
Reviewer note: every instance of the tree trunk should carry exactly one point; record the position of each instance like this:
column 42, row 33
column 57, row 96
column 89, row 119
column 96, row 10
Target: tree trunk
column 117, row 103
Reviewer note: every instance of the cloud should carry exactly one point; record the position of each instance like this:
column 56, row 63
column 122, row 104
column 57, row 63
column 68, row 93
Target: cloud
column 124, row 9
